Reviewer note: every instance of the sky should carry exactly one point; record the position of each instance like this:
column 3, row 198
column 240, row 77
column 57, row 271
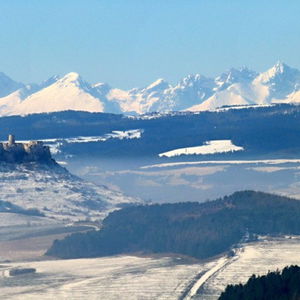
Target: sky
column 131, row 43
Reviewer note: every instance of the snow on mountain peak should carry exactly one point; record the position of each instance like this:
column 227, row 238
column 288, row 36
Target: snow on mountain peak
column 280, row 66
column 278, row 70
column 99, row 85
column 281, row 80
column 242, row 86
column 71, row 77
column 235, row 75
column 158, row 84
column 68, row 93
column 191, row 79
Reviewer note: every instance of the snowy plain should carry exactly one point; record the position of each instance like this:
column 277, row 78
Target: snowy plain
column 255, row 258
column 133, row 278
column 120, row 277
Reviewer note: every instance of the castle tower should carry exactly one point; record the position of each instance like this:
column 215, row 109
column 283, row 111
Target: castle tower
column 11, row 139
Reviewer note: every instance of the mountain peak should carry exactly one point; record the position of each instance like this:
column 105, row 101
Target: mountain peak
column 278, row 70
column 195, row 81
column 159, row 83
column 233, row 76
column 279, row 67
column 236, row 86
column 71, row 77
column 193, row 77
column 238, row 74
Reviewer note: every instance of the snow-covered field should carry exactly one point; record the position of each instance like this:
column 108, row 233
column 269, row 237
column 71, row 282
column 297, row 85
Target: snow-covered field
column 130, row 278
column 121, row 277
column 226, row 162
column 210, row 147
column 255, row 258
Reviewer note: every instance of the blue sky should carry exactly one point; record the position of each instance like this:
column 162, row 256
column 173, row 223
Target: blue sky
column 131, row 43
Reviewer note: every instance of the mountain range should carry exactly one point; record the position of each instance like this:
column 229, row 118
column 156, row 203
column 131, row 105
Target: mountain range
column 236, row 87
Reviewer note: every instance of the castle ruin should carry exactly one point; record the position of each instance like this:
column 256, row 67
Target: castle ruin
column 33, row 151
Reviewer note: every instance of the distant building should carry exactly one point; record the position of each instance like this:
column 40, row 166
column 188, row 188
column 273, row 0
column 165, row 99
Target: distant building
column 11, row 139
column 33, row 151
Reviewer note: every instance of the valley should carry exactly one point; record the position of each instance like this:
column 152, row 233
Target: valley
column 149, row 150
column 123, row 167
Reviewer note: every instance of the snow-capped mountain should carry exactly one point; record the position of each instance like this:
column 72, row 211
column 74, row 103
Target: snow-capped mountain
column 140, row 100
column 243, row 75
column 160, row 96
column 10, row 103
column 70, row 92
column 280, row 83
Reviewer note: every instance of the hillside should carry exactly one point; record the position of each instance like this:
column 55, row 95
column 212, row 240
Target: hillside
column 33, row 183
column 56, row 193
column 200, row 230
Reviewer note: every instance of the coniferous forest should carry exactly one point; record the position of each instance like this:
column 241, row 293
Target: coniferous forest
column 284, row 285
column 199, row 230
column 255, row 129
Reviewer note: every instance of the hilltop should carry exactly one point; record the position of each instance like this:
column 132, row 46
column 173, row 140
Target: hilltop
column 33, row 151
column 32, row 182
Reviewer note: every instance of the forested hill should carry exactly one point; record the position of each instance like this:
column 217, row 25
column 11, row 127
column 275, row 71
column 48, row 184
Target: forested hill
column 268, row 131
column 277, row 285
column 196, row 229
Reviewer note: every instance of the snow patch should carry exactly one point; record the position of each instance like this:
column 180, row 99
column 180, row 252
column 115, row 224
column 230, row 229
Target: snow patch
column 224, row 162
column 56, row 143
column 210, row 147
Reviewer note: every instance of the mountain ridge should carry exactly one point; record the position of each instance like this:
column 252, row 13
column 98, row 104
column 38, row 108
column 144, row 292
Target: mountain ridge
column 279, row 84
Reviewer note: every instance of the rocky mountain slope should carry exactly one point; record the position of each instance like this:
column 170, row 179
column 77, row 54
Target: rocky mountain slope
column 280, row 83
column 56, row 193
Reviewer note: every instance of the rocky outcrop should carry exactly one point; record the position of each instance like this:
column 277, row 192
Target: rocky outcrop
column 33, row 151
